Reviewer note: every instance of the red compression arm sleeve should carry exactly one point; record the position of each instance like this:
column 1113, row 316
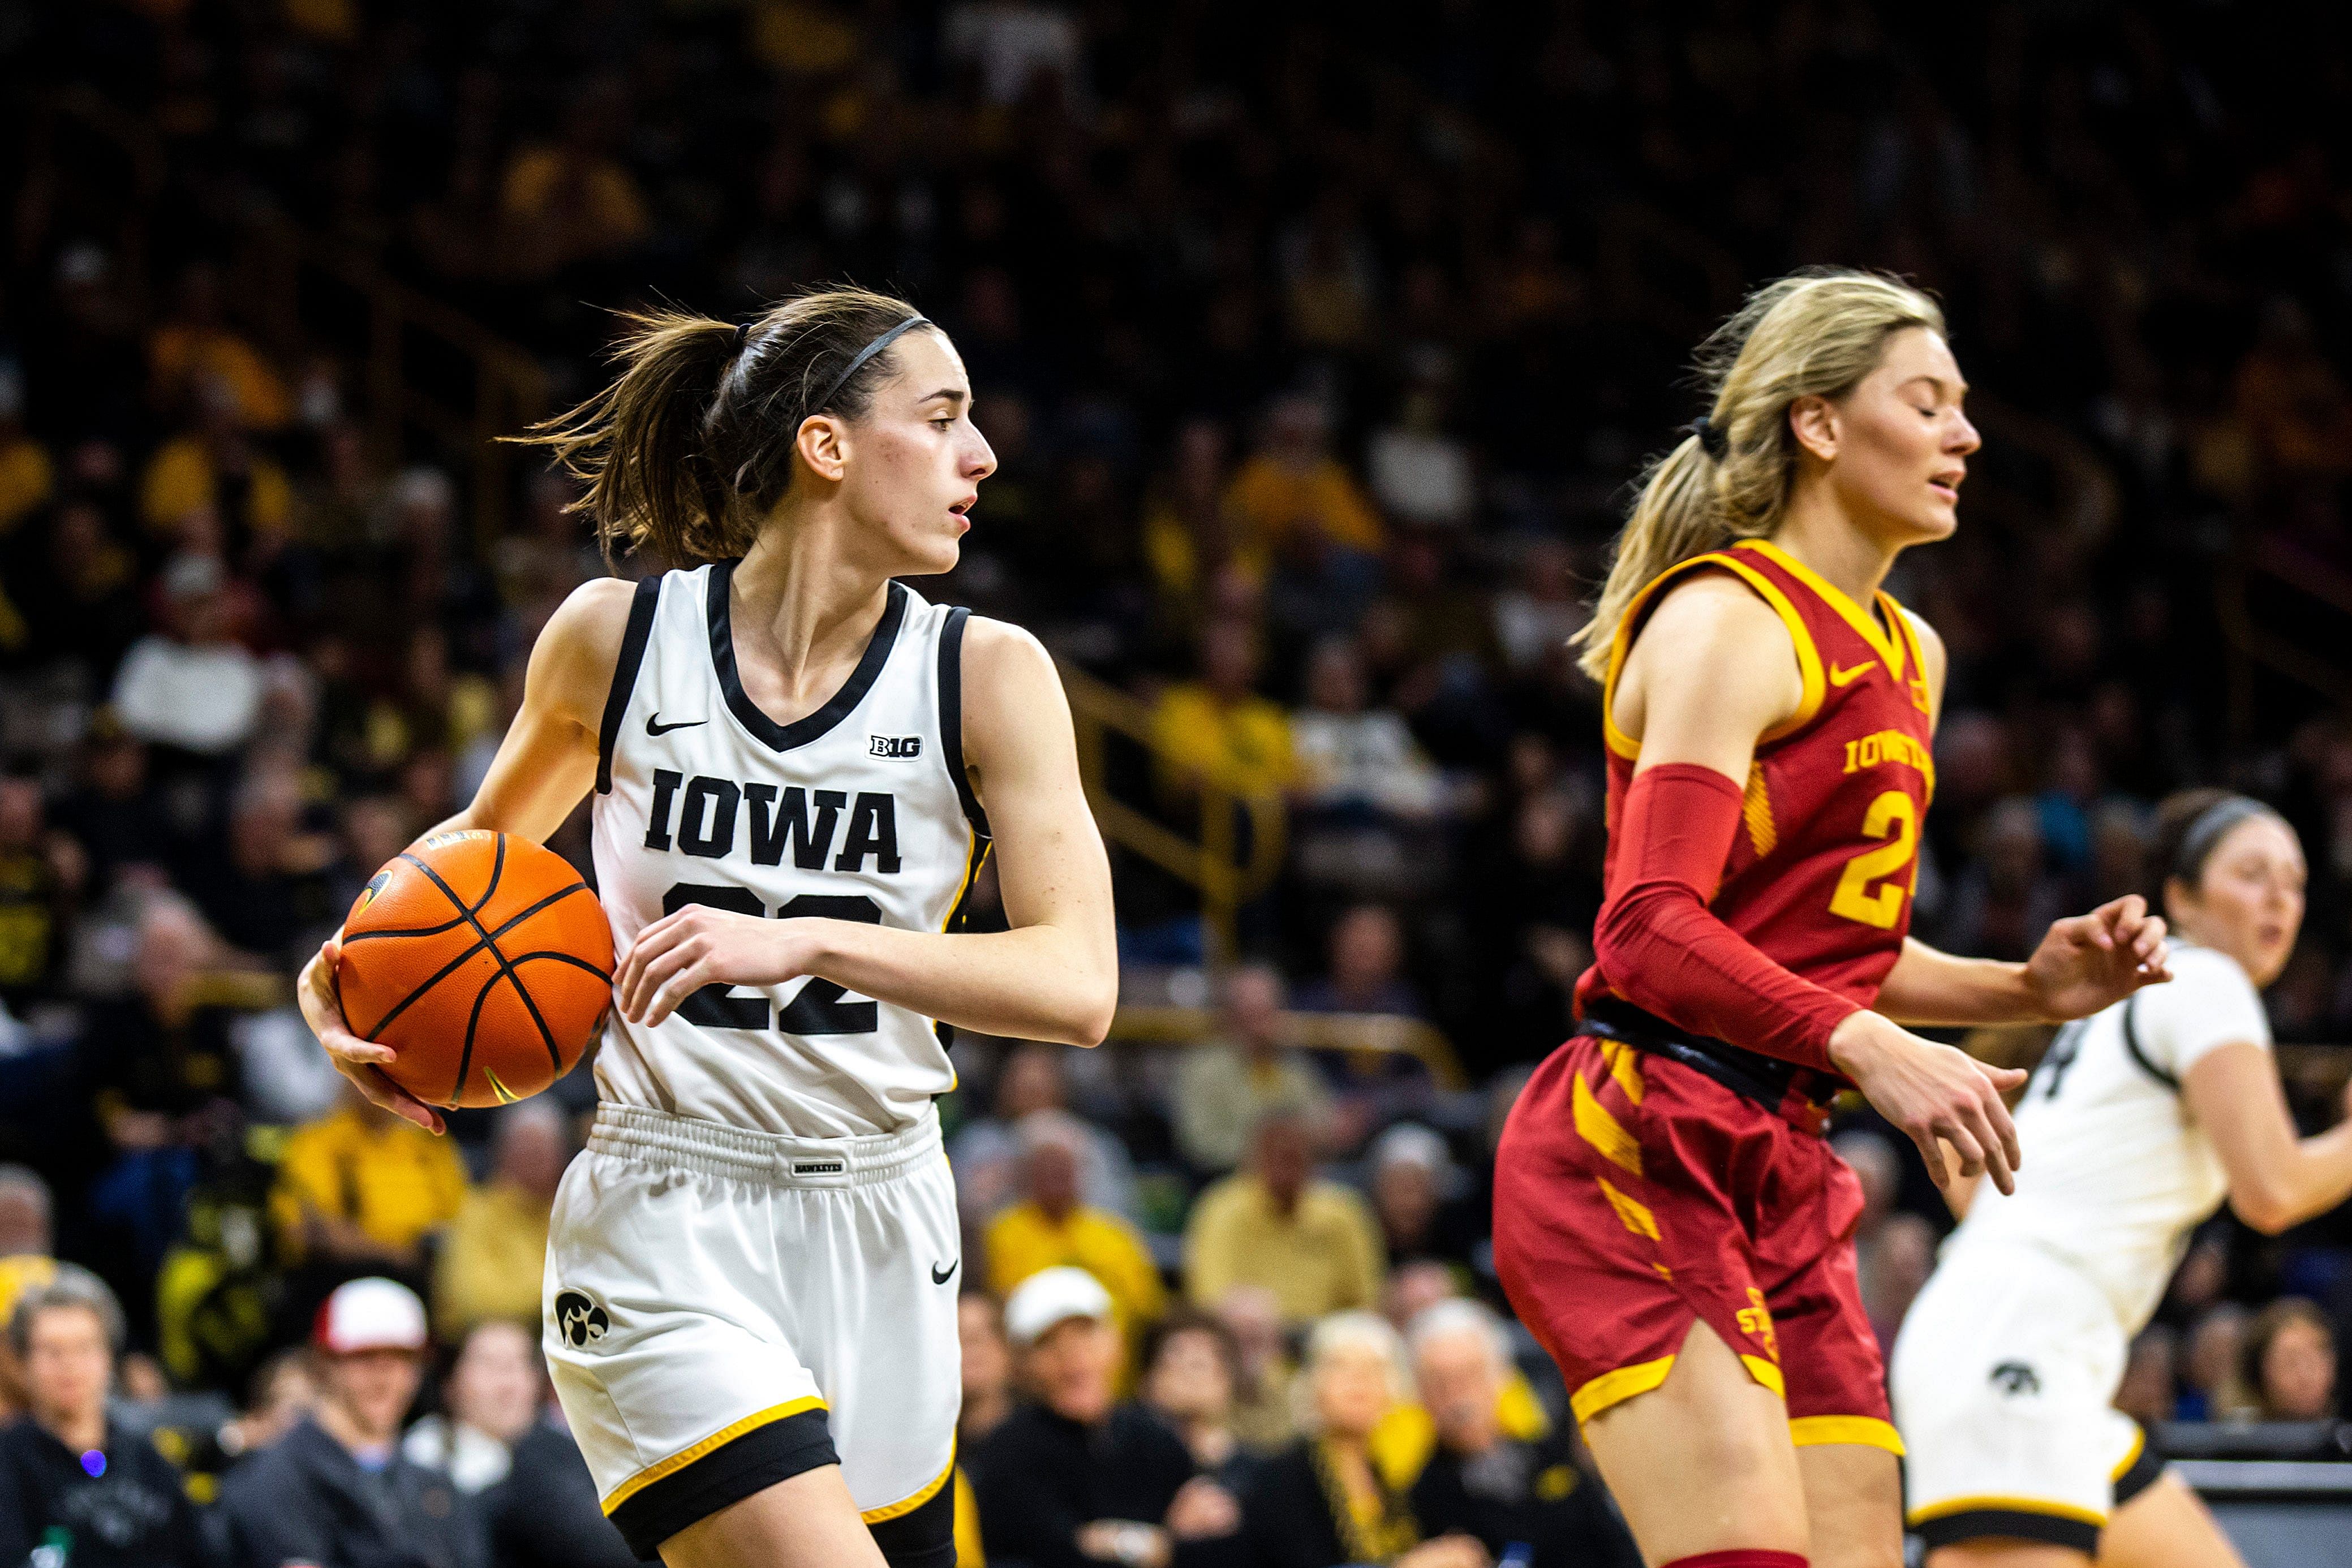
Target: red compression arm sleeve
column 1662, row 949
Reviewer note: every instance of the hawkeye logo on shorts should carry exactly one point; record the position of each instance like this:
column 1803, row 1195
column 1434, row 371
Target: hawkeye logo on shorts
column 2015, row 1377
column 582, row 1323
column 895, row 745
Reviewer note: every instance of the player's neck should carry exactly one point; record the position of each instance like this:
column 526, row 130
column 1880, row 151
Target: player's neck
column 805, row 602
column 1817, row 531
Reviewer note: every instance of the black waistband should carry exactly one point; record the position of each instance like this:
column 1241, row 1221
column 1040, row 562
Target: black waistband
column 1766, row 1080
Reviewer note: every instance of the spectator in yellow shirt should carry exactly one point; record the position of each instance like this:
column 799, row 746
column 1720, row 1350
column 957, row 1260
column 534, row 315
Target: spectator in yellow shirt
column 1272, row 1224
column 571, row 199
column 1225, row 1083
column 490, row 1262
column 1049, row 1228
column 361, row 1186
column 25, row 1263
column 215, row 466
column 1218, row 730
column 197, row 345
column 27, row 477
column 1294, row 485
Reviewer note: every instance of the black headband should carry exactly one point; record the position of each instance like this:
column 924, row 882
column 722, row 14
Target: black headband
column 863, row 354
column 2211, row 826
column 1710, row 436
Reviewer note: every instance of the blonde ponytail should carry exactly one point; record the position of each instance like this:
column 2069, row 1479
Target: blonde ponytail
column 1814, row 333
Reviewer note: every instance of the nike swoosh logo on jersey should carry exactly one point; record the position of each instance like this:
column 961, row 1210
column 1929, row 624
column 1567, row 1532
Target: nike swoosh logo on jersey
column 1847, row 678
column 654, row 725
column 939, row 1276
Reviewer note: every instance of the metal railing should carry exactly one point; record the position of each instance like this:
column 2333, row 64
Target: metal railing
column 494, row 386
column 1238, row 850
column 2257, row 564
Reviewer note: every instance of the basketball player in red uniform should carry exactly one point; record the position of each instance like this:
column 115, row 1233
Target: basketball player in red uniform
column 1668, row 1220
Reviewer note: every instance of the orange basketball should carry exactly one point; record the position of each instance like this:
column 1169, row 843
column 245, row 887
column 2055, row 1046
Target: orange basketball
column 482, row 959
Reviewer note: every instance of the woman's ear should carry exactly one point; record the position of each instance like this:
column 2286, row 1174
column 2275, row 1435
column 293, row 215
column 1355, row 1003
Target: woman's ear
column 822, row 445
column 1813, row 422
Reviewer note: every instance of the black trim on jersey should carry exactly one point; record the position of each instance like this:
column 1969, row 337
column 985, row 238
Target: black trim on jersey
column 728, row 1474
column 923, row 1536
column 951, row 718
column 799, row 732
column 624, row 675
column 2146, row 1468
column 2131, row 1044
column 2008, row 1523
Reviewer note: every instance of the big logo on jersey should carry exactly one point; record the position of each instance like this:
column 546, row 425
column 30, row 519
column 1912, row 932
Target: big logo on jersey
column 700, row 816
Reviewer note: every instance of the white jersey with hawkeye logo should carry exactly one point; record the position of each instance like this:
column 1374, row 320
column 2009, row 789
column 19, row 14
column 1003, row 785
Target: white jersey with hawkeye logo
column 860, row 810
column 2116, row 1174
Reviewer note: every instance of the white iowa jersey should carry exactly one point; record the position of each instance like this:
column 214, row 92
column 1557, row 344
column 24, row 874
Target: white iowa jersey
column 860, row 811
column 2116, row 1174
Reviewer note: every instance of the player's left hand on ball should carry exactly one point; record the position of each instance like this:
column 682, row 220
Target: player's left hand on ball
column 2091, row 961
column 360, row 1061
column 680, row 954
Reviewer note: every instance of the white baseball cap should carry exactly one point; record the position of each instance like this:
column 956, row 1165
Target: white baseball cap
column 1054, row 1296
column 370, row 1314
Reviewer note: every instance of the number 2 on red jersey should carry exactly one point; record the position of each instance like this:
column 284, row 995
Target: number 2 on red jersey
column 1894, row 818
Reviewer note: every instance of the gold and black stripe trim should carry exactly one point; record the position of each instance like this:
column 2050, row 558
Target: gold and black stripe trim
column 2011, row 1518
column 745, row 1456
column 919, row 1532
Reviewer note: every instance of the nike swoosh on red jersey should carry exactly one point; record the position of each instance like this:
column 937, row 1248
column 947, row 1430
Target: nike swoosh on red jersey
column 1847, row 678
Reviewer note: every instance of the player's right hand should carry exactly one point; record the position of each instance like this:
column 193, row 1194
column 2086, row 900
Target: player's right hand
column 1935, row 1093
column 360, row 1061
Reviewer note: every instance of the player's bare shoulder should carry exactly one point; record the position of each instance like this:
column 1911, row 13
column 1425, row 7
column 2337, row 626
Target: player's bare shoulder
column 1016, row 717
column 1010, row 680
column 1710, row 633
column 573, row 663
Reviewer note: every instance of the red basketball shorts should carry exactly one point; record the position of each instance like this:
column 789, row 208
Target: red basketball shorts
column 1633, row 1195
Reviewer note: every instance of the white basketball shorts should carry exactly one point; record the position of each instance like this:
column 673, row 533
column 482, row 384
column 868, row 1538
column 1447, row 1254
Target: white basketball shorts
column 727, row 1308
column 2003, row 1381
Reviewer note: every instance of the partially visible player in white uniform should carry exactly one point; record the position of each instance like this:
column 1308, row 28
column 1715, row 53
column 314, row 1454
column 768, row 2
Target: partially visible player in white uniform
column 799, row 765
column 2140, row 1120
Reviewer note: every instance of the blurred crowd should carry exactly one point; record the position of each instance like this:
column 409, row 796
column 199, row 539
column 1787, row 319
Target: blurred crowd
column 1318, row 347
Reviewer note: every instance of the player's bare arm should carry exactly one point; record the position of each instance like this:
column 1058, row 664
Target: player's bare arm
column 1733, row 675
column 2277, row 1179
column 544, row 765
column 1053, row 976
column 2084, row 963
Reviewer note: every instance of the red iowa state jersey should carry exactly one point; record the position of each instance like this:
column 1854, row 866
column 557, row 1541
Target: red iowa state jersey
column 1821, row 874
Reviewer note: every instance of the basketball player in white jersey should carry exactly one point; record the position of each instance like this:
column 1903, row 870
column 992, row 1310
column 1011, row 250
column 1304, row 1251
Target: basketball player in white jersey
column 798, row 765
column 2141, row 1120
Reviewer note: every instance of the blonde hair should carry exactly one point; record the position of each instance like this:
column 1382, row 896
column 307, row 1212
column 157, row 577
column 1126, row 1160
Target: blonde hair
column 1814, row 333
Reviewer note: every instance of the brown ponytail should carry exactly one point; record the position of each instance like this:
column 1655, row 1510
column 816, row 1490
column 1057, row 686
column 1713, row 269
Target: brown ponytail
column 691, row 446
column 1814, row 333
